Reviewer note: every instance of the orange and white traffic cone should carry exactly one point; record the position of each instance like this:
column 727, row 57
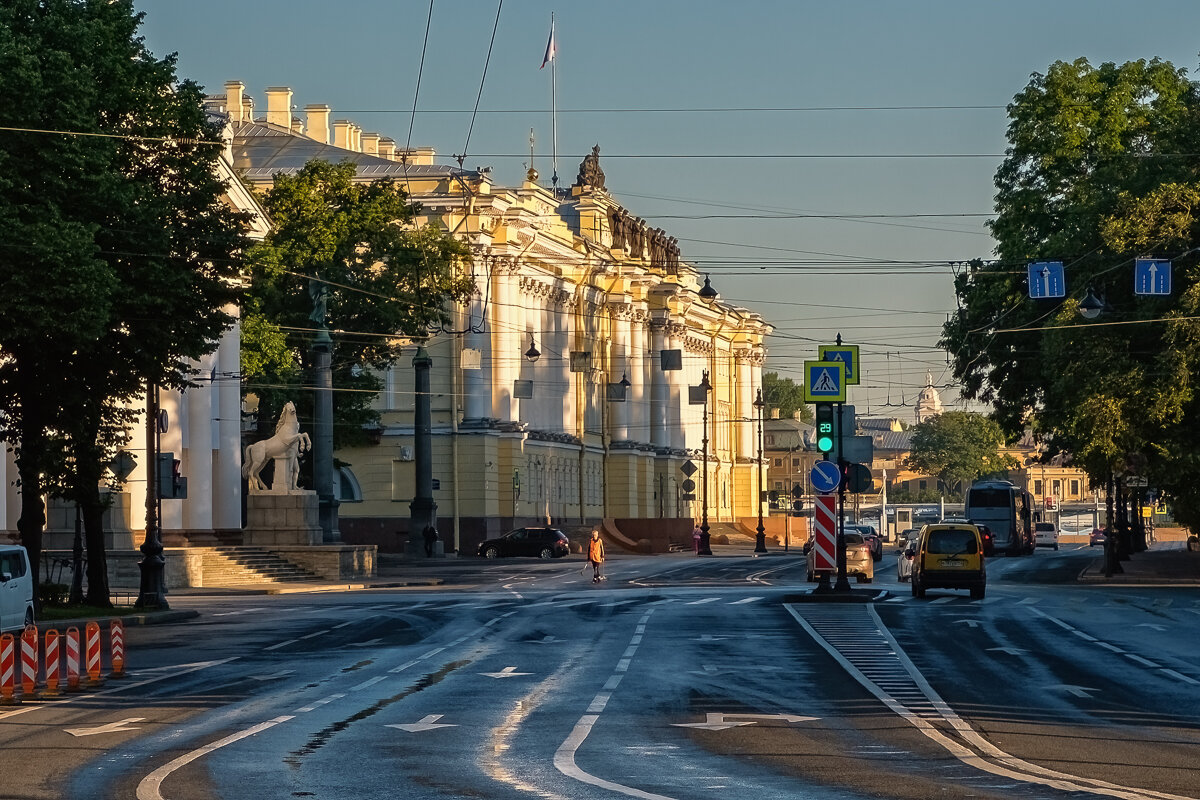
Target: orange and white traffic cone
column 92, row 632
column 8, row 669
column 53, row 666
column 72, row 659
column 116, row 641
column 29, row 661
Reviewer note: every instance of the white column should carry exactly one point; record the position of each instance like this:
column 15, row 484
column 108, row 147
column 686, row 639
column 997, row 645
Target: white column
column 660, row 387
column 198, row 456
column 745, row 407
column 620, row 367
column 677, row 407
column 507, row 353
column 227, row 459
column 640, row 375
column 476, row 382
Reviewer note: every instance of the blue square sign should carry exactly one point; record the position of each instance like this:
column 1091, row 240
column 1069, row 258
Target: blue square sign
column 1151, row 276
column 1047, row 279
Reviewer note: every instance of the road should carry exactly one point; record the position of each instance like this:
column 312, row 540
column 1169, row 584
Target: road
column 678, row 677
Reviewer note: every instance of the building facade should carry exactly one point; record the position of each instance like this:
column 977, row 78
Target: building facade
column 561, row 388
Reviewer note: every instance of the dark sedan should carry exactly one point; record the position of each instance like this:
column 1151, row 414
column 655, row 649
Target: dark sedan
column 536, row 542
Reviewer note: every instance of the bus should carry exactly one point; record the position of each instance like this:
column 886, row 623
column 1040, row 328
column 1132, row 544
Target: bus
column 1007, row 511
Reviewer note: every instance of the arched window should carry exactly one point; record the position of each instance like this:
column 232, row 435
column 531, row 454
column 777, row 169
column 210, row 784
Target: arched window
column 345, row 486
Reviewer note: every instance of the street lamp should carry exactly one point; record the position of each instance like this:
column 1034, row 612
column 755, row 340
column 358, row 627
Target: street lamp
column 706, row 387
column 760, row 539
column 707, row 293
column 532, row 354
column 1091, row 306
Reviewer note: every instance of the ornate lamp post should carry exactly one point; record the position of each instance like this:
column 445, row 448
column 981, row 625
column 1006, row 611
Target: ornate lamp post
column 705, row 549
column 760, row 539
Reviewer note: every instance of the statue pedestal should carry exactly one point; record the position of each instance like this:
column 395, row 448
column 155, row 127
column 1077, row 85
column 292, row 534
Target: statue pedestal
column 282, row 519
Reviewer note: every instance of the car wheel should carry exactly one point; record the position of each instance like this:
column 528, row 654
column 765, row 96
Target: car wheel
column 977, row 592
column 917, row 589
column 491, row 552
column 1056, row 547
column 546, row 553
column 28, row 617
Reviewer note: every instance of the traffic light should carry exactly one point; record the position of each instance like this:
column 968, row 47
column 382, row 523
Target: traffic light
column 825, row 427
column 171, row 483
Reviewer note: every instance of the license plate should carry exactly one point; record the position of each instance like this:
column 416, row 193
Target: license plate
column 953, row 562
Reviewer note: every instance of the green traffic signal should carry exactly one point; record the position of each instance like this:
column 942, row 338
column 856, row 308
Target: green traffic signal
column 825, row 427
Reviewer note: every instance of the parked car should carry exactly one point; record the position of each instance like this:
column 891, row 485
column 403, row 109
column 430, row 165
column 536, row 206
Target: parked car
column 1097, row 537
column 1045, row 534
column 539, row 542
column 949, row 556
column 989, row 540
column 859, row 561
column 16, row 589
column 904, row 563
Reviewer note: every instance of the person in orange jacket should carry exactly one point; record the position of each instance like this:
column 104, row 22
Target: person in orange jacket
column 595, row 555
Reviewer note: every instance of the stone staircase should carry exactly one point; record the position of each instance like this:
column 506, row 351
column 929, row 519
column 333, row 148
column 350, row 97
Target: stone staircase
column 237, row 566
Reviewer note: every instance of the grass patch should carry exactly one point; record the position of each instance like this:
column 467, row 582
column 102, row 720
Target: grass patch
column 49, row 614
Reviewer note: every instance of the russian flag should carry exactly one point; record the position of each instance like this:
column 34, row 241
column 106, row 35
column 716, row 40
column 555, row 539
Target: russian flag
column 551, row 51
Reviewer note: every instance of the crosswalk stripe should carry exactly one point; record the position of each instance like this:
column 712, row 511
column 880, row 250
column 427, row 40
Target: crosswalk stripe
column 745, row 600
column 702, row 602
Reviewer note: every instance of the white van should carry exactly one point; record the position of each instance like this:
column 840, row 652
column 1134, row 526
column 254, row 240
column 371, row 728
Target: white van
column 1046, row 534
column 16, row 589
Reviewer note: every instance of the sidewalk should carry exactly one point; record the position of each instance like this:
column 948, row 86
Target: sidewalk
column 1168, row 564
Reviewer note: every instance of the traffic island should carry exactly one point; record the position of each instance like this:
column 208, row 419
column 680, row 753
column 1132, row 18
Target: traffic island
column 851, row 596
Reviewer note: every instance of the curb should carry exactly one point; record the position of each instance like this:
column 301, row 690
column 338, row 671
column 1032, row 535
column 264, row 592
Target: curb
column 149, row 618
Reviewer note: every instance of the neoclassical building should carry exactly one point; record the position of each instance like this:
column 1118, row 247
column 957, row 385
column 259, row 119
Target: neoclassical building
column 561, row 389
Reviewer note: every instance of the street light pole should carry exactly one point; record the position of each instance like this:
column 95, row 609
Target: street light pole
column 704, row 549
column 760, row 539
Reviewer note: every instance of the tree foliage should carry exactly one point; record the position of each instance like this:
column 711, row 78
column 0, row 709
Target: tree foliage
column 116, row 251
column 786, row 395
column 958, row 447
column 387, row 282
column 1101, row 169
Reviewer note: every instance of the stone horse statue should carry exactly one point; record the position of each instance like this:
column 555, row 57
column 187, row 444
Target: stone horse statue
column 285, row 447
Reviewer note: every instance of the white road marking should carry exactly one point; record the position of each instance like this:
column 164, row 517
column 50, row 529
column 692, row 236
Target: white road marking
column 235, row 613
column 943, row 600
column 344, row 624
column 507, row 672
column 1111, row 647
column 969, row 622
column 702, row 602
column 283, row 673
column 1078, row 691
column 112, row 727
column 427, row 723
column 318, row 703
column 598, row 704
column 1179, row 676
column 615, row 681
column 315, row 634
column 368, row 683
column 281, row 644
column 745, row 600
column 622, row 665
column 1027, row 601
column 1145, row 662
column 720, row 721
column 1012, row 651
column 371, row 643
column 630, row 651
column 1083, row 635
column 151, row 785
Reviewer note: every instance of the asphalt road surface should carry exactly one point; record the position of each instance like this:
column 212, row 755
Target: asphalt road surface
column 677, row 677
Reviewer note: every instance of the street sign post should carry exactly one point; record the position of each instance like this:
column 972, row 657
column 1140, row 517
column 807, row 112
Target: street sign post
column 845, row 353
column 1047, row 280
column 1152, row 276
column 824, row 382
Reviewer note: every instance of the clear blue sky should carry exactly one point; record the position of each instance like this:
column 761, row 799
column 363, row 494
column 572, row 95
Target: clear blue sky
column 361, row 57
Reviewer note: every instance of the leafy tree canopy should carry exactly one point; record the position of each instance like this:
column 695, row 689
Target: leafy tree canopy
column 786, row 395
column 958, row 447
column 386, row 282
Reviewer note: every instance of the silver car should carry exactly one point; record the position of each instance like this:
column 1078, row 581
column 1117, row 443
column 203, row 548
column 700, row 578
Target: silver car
column 904, row 562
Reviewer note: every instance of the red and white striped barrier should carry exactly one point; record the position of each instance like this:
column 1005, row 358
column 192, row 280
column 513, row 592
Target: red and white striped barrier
column 8, row 668
column 29, row 661
column 92, row 632
column 824, row 550
column 53, row 665
column 116, row 642
column 72, row 659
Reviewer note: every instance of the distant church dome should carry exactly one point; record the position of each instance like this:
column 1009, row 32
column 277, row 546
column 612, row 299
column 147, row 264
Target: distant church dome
column 929, row 402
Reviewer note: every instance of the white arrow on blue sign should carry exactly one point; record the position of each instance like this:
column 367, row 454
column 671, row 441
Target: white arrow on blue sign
column 1151, row 276
column 825, row 476
column 1046, row 279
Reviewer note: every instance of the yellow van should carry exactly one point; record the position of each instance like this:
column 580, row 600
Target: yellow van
column 949, row 556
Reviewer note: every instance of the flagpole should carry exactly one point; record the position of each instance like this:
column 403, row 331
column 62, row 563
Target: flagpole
column 553, row 110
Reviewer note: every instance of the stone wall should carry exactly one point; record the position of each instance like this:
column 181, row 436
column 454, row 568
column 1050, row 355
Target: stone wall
column 332, row 562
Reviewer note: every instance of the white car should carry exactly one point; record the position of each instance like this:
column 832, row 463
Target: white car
column 1046, row 533
column 16, row 589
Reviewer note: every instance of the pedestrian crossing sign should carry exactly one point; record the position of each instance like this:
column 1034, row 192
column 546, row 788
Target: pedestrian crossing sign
column 847, row 354
column 824, row 381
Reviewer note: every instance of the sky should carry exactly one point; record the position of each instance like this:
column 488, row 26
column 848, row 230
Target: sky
column 827, row 164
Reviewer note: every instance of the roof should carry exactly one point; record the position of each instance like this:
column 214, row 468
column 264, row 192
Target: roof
column 892, row 440
column 261, row 151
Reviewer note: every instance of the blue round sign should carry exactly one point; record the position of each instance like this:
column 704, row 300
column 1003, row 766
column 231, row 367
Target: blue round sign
column 826, row 477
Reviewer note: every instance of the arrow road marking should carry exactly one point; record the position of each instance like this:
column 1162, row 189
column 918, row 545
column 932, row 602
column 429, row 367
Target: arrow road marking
column 720, row 721
column 283, row 673
column 507, row 672
column 427, row 723
column 112, row 727
column 1078, row 691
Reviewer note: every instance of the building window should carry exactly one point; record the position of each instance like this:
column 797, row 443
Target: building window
column 796, row 463
column 779, row 486
column 1074, row 488
column 1058, row 488
column 779, row 462
column 1037, row 488
column 345, row 486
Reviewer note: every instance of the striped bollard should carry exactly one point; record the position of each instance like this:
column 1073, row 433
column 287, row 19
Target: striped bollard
column 72, row 659
column 8, row 669
column 53, row 666
column 116, row 641
column 92, row 634
column 29, row 661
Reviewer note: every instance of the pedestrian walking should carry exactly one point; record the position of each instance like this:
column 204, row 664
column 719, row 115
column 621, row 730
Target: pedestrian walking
column 430, row 534
column 696, row 539
column 595, row 555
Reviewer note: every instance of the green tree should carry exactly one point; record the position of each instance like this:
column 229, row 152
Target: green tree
column 116, row 251
column 386, row 281
column 1097, row 173
column 958, row 447
column 786, row 395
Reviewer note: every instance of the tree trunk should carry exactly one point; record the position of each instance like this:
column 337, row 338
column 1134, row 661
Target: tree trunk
column 1111, row 563
column 97, row 561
